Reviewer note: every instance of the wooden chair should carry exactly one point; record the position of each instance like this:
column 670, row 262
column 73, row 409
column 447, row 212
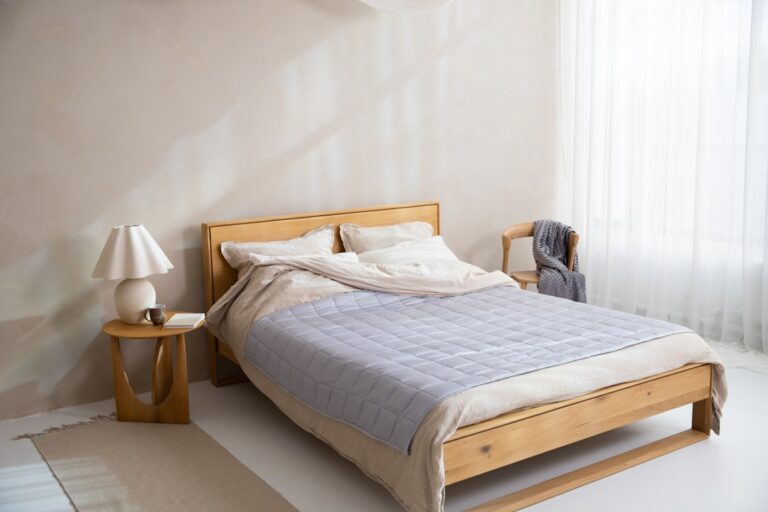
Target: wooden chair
column 523, row 230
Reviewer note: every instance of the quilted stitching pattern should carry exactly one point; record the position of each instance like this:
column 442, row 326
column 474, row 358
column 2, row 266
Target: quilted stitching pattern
column 381, row 362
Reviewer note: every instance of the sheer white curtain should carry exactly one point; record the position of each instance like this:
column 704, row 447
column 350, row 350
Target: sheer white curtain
column 665, row 143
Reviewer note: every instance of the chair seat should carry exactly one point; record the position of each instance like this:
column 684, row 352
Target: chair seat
column 525, row 276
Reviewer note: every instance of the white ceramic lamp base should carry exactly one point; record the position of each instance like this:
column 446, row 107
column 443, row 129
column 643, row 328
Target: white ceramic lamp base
column 132, row 298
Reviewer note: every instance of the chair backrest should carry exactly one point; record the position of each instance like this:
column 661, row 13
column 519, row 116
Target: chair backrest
column 524, row 230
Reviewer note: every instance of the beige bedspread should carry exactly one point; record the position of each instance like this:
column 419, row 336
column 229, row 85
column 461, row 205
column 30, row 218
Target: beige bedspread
column 417, row 480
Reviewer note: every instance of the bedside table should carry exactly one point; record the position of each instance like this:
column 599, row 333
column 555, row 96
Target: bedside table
column 170, row 390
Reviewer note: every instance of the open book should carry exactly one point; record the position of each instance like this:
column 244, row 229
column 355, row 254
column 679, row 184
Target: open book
column 185, row 321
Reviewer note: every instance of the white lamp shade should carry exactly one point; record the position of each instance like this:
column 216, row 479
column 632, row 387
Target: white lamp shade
column 131, row 253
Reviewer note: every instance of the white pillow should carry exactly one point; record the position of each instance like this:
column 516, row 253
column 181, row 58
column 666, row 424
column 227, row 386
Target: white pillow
column 263, row 259
column 317, row 241
column 360, row 239
column 406, row 253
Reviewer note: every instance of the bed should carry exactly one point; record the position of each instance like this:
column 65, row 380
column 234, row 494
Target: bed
column 468, row 450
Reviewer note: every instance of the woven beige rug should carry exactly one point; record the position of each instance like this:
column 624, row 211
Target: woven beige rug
column 110, row 465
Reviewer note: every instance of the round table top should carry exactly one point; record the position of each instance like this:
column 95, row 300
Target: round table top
column 120, row 329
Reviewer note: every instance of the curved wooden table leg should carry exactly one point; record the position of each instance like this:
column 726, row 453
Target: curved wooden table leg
column 128, row 407
column 162, row 372
column 170, row 391
column 175, row 408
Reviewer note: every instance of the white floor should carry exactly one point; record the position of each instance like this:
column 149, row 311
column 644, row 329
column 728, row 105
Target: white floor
column 726, row 473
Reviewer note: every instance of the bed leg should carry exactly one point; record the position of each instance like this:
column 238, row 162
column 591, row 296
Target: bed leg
column 701, row 419
column 213, row 367
column 231, row 372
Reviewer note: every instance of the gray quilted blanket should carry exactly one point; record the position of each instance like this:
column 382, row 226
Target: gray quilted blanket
column 380, row 362
column 550, row 250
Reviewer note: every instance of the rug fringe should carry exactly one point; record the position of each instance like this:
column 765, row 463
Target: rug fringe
column 51, row 430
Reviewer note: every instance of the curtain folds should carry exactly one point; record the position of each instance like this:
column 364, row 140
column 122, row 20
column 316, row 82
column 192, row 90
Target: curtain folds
column 665, row 145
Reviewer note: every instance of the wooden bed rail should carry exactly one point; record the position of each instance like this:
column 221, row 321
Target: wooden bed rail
column 516, row 436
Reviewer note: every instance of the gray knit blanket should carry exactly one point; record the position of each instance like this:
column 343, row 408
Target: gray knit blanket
column 550, row 250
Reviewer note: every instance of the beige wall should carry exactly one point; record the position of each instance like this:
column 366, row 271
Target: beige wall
column 175, row 112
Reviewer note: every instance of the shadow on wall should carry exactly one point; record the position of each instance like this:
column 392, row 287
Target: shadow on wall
column 174, row 113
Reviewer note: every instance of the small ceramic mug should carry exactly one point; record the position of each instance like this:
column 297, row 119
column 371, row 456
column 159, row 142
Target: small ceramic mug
column 156, row 314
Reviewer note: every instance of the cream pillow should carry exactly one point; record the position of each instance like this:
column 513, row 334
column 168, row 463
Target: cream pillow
column 317, row 241
column 361, row 239
column 406, row 253
column 263, row 259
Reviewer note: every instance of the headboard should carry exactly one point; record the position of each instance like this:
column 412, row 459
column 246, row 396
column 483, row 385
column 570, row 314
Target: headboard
column 218, row 276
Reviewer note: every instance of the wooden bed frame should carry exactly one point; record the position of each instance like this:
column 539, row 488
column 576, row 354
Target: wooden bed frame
column 512, row 437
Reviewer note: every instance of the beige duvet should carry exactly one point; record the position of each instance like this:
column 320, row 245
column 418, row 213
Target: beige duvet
column 417, row 480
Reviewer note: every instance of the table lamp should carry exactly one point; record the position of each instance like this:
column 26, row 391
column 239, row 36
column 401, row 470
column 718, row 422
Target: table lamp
column 131, row 254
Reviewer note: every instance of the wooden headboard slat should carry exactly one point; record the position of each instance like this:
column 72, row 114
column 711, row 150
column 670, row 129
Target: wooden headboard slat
column 218, row 276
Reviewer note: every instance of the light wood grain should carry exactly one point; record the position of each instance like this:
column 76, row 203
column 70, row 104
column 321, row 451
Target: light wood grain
column 525, row 277
column 218, row 276
column 490, row 449
column 525, row 230
column 572, row 480
column 213, row 348
column 170, row 391
column 162, row 371
column 143, row 331
column 522, row 230
column 702, row 416
column 702, row 412
column 573, row 241
column 528, row 412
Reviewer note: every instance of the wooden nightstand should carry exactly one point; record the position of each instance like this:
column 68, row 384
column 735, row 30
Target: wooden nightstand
column 170, row 390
